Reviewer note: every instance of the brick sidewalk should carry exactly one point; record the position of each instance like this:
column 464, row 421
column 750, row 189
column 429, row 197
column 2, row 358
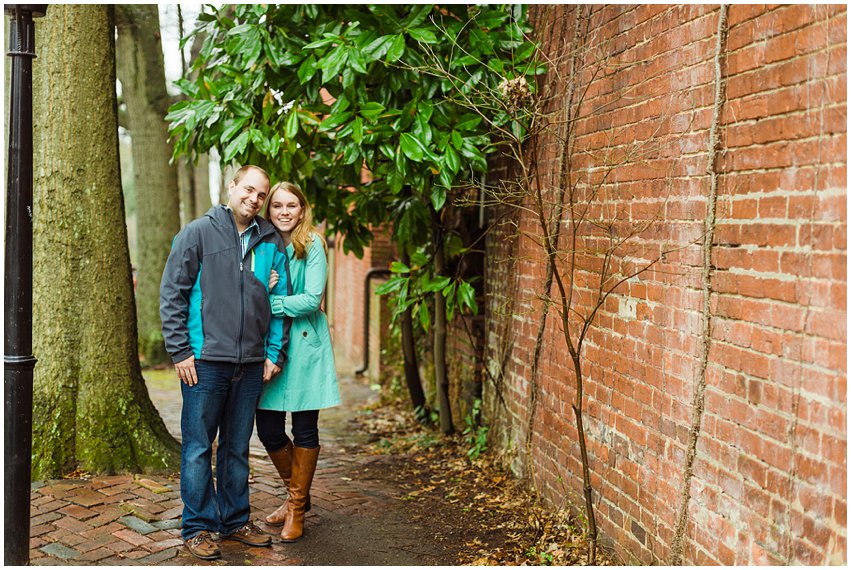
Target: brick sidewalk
column 135, row 519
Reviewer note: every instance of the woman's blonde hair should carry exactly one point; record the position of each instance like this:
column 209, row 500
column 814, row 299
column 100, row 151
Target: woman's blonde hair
column 302, row 235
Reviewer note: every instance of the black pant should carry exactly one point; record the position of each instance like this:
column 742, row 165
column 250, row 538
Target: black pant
column 271, row 429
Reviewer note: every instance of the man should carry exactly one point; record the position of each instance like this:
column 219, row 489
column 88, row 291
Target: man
column 224, row 341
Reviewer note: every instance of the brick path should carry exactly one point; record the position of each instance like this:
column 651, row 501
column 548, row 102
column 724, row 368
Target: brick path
column 135, row 519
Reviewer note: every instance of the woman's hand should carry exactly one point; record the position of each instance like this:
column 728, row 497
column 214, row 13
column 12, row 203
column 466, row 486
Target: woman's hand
column 273, row 279
column 269, row 370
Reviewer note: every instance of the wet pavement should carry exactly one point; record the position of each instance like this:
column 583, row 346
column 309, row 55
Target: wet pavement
column 134, row 519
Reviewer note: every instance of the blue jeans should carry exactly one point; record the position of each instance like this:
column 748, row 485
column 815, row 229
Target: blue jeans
column 224, row 400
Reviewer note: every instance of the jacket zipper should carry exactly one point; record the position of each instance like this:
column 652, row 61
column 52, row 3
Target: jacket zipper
column 241, row 285
column 241, row 294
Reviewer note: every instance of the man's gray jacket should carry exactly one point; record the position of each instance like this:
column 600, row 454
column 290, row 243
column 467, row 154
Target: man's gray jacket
column 214, row 301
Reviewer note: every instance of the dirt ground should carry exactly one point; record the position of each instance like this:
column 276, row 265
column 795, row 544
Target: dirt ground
column 477, row 510
column 440, row 507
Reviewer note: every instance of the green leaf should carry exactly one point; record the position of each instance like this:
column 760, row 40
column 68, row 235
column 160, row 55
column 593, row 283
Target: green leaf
column 425, row 109
column 467, row 296
column 240, row 30
column 371, row 110
column 356, row 60
column 231, row 128
column 395, row 181
column 449, row 291
column 321, row 43
column 419, row 258
column 357, row 130
column 436, row 284
column 457, row 139
column 468, row 122
column 334, row 121
column 378, row 48
column 399, row 267
column 341, row 104
column 453, row 245
column 423, row 35
column 393, row 284
column 236, row 146
column 445, row 178
column 422, row 130
column 333, row 63
column 524, row 52
column 291, row 128
column 412, row 147
column 240, row 109
column 187, row 87
column 496, row 65
column 260, row 141
column 307, row 70
column 425, row 317
column 451, row 159
column 255, row 47
column 351, row 153
column 438, row 197
column 418, row 15
column 397, row 48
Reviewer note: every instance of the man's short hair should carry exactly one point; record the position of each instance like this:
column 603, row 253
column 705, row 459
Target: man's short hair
column 248, row 167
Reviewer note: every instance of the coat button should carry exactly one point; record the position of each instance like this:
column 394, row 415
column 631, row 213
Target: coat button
column 304, row 333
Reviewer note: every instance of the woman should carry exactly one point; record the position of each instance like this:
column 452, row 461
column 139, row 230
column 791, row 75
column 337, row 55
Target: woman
column 308, row 381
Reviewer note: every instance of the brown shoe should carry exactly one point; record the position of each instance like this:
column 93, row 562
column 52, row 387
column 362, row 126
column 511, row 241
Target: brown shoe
column 304, row 467
column 249, row 534
column 203, row 546
column 282, row 459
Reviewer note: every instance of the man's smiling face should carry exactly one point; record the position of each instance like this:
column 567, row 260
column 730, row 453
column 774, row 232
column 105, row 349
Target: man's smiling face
column 248, row 196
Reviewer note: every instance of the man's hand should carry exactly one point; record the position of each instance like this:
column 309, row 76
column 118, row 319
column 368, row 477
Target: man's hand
column 269, row 370
column 273, row 279
column 186, row 371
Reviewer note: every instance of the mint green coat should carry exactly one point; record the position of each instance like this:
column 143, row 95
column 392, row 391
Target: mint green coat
column 309, row 378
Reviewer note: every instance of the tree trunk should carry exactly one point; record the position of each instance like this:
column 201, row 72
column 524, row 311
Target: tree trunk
column 412, row 371
column 140, row 70
column 186, row 186
column 186, row 172
column 586, row 468
column 91, row 407
column 201, row 171
column 440, row 376
column 202, row 185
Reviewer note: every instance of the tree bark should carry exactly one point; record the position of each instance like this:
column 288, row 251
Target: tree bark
column 142, row 76
column 409, row 352
column 91, row 407
column 201, row 170
column 186, row 190
column 440, row 376
column 202, row 185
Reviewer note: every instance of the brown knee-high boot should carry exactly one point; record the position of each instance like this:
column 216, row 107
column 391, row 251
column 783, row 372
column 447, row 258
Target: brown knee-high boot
column 304, row 466
column 283, row 461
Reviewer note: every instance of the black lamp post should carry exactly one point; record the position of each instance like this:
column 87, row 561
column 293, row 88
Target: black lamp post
column 17, row 356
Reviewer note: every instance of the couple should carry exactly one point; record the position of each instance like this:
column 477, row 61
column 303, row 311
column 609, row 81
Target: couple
column 239, row 302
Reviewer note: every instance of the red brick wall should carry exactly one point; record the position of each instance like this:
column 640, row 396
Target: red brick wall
column 348, row 318
column 769, row 484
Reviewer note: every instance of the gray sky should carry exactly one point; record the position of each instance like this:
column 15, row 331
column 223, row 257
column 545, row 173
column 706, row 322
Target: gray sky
column 171, row 56
column 171, row 38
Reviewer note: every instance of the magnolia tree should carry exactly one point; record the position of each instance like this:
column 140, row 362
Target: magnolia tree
column 335, row 97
